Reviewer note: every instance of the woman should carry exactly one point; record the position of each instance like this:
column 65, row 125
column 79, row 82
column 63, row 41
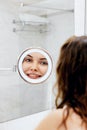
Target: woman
column 71, row 112
column 35, row 65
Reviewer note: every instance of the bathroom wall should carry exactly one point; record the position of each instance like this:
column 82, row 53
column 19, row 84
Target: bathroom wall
column 18, row 98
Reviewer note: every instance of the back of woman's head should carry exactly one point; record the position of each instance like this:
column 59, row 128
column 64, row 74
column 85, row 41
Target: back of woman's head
column 72, row 75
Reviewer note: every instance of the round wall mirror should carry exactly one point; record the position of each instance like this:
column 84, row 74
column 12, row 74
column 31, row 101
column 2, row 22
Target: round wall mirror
column 35, row 65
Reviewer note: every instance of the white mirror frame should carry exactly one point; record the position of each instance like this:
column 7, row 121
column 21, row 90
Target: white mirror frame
column 20, row 61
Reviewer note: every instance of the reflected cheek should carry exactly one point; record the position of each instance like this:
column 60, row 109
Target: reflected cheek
column 43, row 69
column 25, row 67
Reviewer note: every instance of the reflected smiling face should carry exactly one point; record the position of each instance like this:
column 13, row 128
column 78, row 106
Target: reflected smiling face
column 35, row 65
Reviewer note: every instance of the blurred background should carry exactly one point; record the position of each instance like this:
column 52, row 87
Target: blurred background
column 23, row 24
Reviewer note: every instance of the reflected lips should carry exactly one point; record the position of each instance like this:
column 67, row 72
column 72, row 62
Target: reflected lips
column 33, row 76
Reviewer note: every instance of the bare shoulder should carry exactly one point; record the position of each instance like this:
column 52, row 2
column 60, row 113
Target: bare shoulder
column 51, row 121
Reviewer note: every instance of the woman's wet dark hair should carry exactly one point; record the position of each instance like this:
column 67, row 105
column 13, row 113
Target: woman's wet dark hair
column 71, row 74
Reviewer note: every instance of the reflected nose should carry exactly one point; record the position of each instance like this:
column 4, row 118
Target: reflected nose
column 34, row 67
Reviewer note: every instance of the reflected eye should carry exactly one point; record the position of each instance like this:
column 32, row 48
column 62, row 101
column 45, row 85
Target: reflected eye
column 27, row 60
column 44, row 63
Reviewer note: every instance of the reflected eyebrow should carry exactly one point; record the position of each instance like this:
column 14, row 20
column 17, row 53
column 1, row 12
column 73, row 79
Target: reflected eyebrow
column 43, row 59
column 40, row 58
column 33, row 57
column 30, row 56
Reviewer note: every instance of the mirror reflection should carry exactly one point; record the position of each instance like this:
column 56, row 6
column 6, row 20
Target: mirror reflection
column 35, row 65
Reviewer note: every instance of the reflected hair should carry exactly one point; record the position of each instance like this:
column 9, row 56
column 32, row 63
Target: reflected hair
column 71, row 75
